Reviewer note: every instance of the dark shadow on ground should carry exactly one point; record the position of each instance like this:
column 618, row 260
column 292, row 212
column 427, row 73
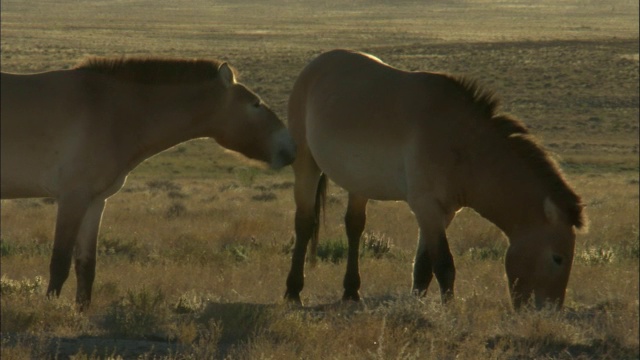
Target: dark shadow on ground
column 553, row 349
column 62, row 348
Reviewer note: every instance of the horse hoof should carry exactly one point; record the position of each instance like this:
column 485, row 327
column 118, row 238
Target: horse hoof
column 351, row 297
column 419, row 293
column 293, row 299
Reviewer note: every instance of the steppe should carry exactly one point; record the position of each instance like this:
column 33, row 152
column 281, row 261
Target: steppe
column 194, row 251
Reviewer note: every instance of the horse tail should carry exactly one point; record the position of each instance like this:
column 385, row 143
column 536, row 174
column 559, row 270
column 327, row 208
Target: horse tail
column 321, row 195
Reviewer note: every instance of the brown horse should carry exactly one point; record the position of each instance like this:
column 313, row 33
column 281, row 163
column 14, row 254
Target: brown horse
column 436, row 142
column 74, row 135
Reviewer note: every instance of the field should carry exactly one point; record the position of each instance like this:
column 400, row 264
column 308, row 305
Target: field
column 194, row 250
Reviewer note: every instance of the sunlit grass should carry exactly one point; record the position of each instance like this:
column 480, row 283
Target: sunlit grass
column 212, row 282
column 194, row 251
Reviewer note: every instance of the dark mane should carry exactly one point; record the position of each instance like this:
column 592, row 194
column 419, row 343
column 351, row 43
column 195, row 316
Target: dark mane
column 527, row 148
column 153, row 70
column 485, row 101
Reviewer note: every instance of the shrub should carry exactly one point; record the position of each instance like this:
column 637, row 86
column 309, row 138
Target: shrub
column 486, row 253
column 239, row 252
column 176, row 209
column 138, row 314
column 596, row 256
column 376, row 244
column 189, row 302
column 163, row 185
column 22, row 287
column 27, row 313
column 121, row 247
column 264, row 196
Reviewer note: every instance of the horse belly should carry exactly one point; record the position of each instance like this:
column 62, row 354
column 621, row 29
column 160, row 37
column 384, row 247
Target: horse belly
column 35, row 159
column 27, row 173
column 373, row 173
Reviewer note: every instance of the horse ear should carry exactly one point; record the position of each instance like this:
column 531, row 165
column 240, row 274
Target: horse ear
column 551, row 211
column 226, row 74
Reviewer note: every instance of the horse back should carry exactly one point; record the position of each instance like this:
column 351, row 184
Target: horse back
column 375, row 129
column 352, row 94
column 40, row 106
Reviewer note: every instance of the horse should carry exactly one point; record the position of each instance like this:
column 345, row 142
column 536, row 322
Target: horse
column 437, row 142
column 75, row 134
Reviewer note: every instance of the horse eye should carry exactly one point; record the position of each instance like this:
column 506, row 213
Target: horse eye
column 557, row 259
column 257, row 104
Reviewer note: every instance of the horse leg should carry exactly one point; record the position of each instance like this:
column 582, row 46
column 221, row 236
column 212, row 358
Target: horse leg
column 433, row 252
column 443, row 266
column 307, row 175
column 85, row 252
column 422, row 270
column 354, row 220
column 71, row 211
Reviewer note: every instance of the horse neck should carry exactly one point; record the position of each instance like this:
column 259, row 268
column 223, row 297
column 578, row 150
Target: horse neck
column 165, row 116
column 502, row 188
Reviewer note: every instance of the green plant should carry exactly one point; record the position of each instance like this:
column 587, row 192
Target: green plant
column 238, row 252
column 332, row 250
column 7, row 248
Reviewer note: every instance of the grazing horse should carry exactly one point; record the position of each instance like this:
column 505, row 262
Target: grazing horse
column 436, row 142
column 74, row 135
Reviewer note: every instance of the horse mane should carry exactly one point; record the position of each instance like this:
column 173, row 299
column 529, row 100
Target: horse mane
column 153, row 70
column 527, row 148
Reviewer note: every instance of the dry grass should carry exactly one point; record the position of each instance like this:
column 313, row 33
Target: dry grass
column 194, row 251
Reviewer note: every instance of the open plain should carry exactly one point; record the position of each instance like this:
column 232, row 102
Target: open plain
column 193, row 252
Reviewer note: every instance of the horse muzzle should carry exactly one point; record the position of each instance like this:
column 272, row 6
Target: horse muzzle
column 283, row 149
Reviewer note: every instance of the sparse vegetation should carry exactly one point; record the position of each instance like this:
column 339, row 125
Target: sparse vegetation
column 138, row 314
column 194, row 251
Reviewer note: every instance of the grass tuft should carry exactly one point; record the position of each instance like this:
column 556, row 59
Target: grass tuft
column 139, row 314
column 332, row 250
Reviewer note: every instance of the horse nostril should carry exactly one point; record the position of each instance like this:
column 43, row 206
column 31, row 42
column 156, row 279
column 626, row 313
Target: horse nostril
column 557, row 259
